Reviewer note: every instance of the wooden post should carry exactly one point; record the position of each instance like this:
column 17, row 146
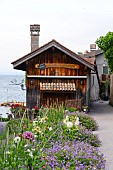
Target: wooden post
column 88, row 88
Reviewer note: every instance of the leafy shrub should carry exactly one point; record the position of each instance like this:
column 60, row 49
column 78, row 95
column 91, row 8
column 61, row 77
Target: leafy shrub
column 15, row 126
column 82, row 134
column 41, row 143
column 4, row 119
column 86, row 120
column 72, row 109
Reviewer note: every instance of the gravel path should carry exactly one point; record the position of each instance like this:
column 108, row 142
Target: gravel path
column 102, row 112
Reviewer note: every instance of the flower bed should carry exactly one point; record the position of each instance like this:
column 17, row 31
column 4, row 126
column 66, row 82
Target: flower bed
column 85, row 119
column 74, row 155
column 51, row 141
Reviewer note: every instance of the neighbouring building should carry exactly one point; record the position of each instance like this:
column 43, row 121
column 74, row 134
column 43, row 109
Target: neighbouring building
column 111, row 89
column 100, row 76
column 54, row 73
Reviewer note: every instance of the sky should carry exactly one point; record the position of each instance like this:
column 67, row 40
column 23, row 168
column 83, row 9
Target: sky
column 74, row 23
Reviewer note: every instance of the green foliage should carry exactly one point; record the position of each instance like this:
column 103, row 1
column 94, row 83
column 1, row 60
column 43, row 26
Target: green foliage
column 72, row 109
column 25, row 141
column 4, row 119
column 87, row 121
column 105, row 43
column 80, row 133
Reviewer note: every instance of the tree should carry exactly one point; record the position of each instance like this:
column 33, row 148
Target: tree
column 105, row 43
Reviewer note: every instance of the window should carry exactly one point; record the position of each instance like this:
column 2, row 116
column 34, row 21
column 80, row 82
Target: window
column 105, row 69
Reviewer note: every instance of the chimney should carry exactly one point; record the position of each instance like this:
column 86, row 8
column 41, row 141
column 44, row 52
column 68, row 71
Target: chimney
column 92, row 47
column 34, row 29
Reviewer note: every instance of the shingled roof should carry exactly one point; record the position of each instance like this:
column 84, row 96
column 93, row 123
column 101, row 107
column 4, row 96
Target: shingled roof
column 20, row 63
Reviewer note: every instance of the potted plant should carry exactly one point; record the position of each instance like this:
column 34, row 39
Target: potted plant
column 85, row 108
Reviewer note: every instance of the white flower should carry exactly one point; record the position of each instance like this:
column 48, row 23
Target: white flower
column 35, row 136
column 25, row 146
column 40, row 132
column 17, row 139
column 65, row 121
column 50, row 129
column 31, row 154
column 33, row 149
column 69, row 124
column 43, row 120
column 34, row 122
column 28, row 150
column 77, row 123
column 7, row 152
column 67, row 117
column 77, row 118
column 66, row 111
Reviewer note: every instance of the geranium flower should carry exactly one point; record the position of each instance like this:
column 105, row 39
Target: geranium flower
column 35, row 109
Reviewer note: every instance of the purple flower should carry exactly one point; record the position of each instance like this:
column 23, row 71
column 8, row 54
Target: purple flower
column 77, row 155
column 28, row 135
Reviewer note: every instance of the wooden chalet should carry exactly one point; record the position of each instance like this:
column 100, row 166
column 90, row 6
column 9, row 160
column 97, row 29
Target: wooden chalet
column 54, row 73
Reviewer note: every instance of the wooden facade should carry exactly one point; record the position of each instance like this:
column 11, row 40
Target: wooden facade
column 55, row 74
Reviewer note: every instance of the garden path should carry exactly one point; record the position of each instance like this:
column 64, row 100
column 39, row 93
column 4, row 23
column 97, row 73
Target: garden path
column 102, row 112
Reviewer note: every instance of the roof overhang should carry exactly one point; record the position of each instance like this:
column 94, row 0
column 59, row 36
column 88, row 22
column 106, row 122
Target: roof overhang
column 21, row 63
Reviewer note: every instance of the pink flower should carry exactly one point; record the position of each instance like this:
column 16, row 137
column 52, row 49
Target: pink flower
column 19, row 134
column 24, row 126
column 28, row 135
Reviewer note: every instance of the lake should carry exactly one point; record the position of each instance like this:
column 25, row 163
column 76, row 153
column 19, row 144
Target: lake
column 10, row 90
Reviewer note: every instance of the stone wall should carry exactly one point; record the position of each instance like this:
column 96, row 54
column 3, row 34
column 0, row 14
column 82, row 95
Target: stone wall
column 111, row 89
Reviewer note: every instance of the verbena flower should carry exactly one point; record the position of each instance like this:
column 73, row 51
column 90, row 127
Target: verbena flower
column 74, row 155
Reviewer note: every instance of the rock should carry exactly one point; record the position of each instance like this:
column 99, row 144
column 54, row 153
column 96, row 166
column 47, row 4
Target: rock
column 2, row 127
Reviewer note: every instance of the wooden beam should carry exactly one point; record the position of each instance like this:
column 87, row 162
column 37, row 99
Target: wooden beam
column 69, row 77
column 59, row 65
